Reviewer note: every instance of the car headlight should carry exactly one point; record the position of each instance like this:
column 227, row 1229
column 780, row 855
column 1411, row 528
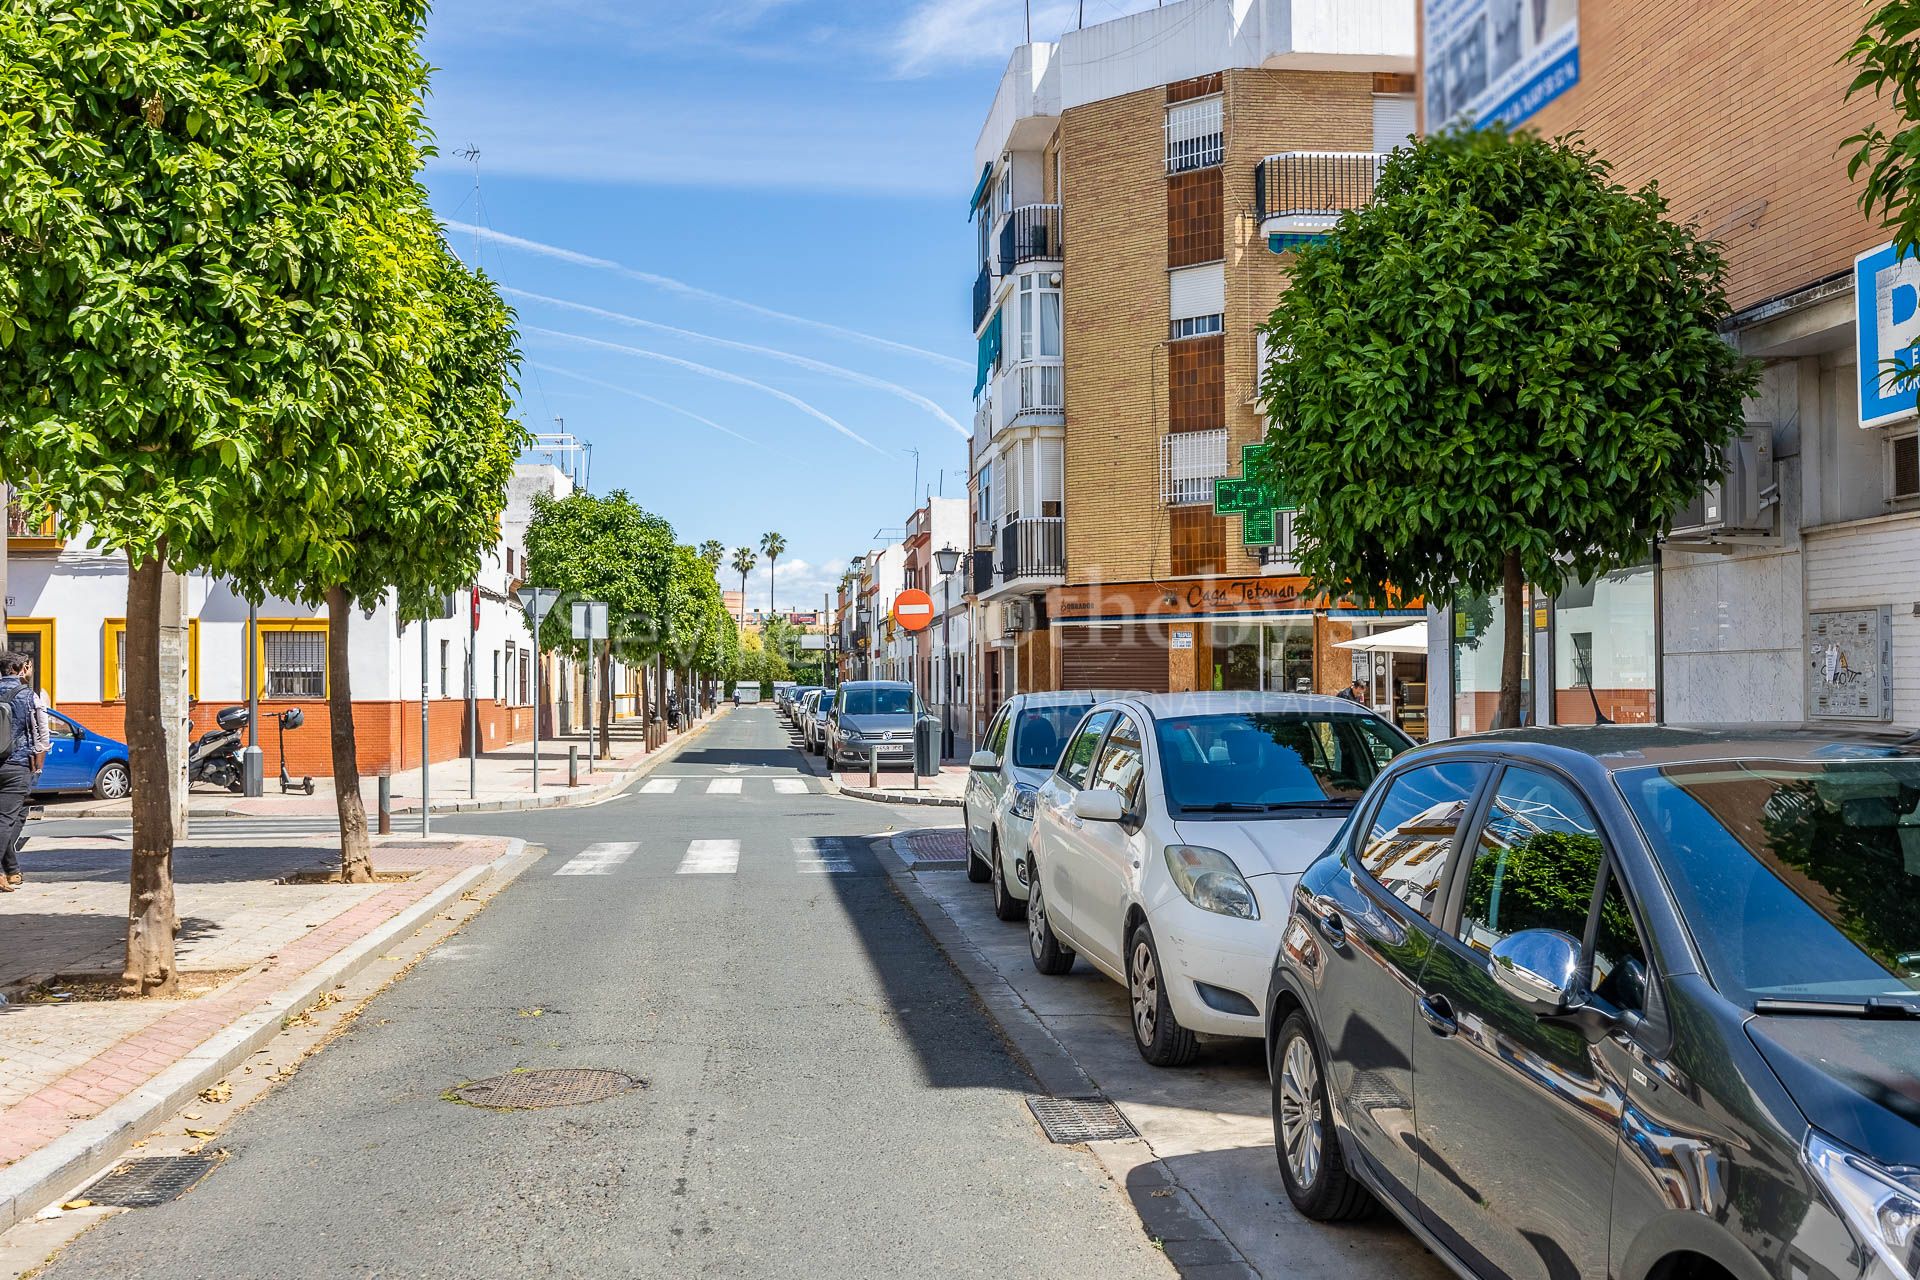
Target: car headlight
column 1881, row 1205
column 1210, row 881
column 1023, row 801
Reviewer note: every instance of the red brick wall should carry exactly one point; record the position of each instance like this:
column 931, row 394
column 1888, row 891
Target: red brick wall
column 388, row 733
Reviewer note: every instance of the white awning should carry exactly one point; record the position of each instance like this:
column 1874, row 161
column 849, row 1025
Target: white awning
column 1411, row 639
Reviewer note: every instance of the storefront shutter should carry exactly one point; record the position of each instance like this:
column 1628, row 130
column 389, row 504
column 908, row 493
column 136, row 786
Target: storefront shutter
column 1127, row 656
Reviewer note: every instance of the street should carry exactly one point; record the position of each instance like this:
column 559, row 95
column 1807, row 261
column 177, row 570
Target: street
column 822, row 1095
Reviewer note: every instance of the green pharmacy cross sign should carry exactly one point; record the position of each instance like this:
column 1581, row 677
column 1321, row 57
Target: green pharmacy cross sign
column 1255, row 503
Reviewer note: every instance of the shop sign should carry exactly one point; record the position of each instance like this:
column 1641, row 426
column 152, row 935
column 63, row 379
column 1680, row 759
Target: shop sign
column 1258, row 504
column 1180, row 640
column 1498, row 61
column 1886, row 332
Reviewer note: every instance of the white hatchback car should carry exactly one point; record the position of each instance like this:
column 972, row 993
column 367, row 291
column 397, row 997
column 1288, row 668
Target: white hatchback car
column 1022, row 745
column 1167, row 842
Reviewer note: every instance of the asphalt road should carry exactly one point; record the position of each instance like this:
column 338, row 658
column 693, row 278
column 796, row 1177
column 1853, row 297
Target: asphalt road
column 823, row 1097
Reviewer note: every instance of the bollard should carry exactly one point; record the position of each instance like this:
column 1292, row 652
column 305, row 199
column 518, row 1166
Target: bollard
column 386, row 805
column 573, row 764
column 873, row 767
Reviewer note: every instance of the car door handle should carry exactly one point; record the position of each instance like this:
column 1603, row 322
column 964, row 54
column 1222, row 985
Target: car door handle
column 1328, row 922
column 1437, row 1013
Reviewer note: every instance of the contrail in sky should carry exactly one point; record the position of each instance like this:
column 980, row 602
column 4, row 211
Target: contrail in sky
column 805, row 362
column 693, row 291
column 712, row 372
column 640, row 395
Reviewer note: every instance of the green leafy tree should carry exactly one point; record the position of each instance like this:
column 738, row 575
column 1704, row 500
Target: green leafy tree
column 194, row 204
column 1504, row 369
column 771, row 545
column 743, row 562
column 1888, row 57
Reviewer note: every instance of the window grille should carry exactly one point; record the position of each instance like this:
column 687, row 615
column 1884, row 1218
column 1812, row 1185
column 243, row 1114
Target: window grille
column 1906, row 466
column 1190, row 461
column 296, row 663
column 1195, row 139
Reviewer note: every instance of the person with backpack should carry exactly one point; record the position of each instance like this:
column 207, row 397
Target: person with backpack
column 17, row 714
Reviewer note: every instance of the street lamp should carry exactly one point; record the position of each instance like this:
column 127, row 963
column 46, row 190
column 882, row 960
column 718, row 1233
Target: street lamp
column 864, row 616
column 946, row 560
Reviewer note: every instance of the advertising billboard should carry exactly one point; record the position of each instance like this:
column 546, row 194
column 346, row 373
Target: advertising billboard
column 1498, row 61
column 1886, row 291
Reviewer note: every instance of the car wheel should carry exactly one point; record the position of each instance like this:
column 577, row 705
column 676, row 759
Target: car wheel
column 113, row 782
column 1005, row 905
column 1050, row 955
column 1311, row 1163
column 1156, row 1032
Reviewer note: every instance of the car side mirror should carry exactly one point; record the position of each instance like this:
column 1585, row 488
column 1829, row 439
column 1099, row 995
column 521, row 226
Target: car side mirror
column 983, row 762
column 1098, row 805
column 1540, row 968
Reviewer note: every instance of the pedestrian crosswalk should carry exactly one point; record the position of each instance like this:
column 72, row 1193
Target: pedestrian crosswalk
column 809, row 855
column 746, row 787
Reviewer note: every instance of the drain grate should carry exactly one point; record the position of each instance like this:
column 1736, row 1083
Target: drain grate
column 1080, row 1119
column 559, row 1087
column 150, row 1181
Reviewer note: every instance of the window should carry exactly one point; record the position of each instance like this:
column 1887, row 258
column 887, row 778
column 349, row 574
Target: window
column 1271, row 762
column 1536, row 864
column 1042, row 731
column 1195, row 327
column 496, row 675
column 1411, row 834
column 997, row 733
column 34, row 638
column 510, row 693
column 1604, row 650
column 1039, row 318
column 1619, row 974
column 59, row 730
column 113, row 684
column 1190, row 461
column 1077, row 760
column 293, row 659
column 1903, row 470
column 443, row 667
column 1195, row 138
column 1479, row 632
column 526, row 677
column 1123, row 764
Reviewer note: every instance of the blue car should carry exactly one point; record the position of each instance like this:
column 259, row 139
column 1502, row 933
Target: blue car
column 82, row 760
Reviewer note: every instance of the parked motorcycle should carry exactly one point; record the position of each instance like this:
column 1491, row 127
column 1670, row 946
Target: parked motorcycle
column 215, row 755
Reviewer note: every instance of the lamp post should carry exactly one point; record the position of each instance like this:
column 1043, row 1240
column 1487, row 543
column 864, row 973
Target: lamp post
column 864, row 616
column 946, row 560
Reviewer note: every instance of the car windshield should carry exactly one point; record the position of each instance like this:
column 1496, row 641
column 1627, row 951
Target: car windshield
column 1039, row 733
column 1271, row 761
column 1799, row 880
column 877, row 702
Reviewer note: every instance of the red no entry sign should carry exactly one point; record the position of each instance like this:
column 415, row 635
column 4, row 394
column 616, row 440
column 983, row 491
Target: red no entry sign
column 913, row 609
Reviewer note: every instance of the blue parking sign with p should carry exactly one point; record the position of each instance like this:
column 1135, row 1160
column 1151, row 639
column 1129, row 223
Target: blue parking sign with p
column 1886, row 291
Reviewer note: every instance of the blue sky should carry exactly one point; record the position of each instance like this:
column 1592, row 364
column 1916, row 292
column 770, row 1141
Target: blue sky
column 651, row 174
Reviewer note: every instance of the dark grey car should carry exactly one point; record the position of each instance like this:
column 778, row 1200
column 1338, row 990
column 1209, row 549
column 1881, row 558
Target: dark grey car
column 872, row 717
column 1640, row 1003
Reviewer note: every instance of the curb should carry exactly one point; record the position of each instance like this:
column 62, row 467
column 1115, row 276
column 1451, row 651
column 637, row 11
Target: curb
column 896, row 797
column 34, row 1181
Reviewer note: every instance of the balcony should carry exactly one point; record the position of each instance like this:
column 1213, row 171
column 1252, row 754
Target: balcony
column 982, row 296
column 980, row 573
column 1034, row 548
column 1035, row 389
column 1298, row 196
column 1030, row 233
column 26, row 535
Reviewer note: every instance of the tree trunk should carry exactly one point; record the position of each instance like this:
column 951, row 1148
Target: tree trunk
column 176, row 709
column 356, row 851
column 605, row 697
column 151, row 917
column 773, row 562
column 647, row 704
column 1512, row 657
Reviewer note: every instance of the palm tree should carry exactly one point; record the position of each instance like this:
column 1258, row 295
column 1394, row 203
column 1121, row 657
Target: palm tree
column 743, row 562
column 771, row 544
column 713, row 551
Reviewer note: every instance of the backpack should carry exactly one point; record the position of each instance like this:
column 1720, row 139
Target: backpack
column 6, row 725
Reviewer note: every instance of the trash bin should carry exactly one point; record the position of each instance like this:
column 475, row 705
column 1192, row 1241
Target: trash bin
column 926, row 748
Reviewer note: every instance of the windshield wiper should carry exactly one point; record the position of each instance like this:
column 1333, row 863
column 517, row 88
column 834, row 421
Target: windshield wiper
column 1329, row 802
column 1872, row 1007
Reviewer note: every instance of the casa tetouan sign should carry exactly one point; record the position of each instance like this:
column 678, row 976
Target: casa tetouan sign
column 1257, row 504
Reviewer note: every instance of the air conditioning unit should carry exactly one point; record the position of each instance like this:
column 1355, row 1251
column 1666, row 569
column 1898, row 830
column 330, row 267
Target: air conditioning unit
column 1743, row 503
column 1016, row 615
column 982, row 533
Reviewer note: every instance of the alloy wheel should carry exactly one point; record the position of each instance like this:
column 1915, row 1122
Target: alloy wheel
column 1302, row 1119
column 1145, row 989
column 1036, row 921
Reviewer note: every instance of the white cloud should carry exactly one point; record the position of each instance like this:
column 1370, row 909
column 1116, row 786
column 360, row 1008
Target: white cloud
column 798, row 583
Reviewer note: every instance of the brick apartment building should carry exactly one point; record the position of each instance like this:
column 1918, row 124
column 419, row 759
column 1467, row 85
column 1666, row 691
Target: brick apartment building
column 1797, row 596
column 1140, row 184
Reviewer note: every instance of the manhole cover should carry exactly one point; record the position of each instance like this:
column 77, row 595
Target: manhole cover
column 1080, row 1119
column 560, row 1087
column 150, row 1181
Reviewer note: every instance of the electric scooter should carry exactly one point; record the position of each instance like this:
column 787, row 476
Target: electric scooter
column 291, row 718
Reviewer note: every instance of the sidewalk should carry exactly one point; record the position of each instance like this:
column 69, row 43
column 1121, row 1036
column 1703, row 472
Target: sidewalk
column 501, row 779
column 83, row 1074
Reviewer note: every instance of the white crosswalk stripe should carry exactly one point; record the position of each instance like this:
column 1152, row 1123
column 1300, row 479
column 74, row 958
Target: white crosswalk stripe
column 599, row 859
column 660, row 786
column 749, row 786
column 711, row 858
column 724, row 787
column 822, row 855
column 790, row 786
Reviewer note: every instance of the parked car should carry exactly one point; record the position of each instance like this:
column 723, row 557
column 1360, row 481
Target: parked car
column 78, row 759
column 813, row 713
column 790, row 701
column 1626, row 1001
column 1021, row 746
column 1167, row 841
column 875, row 716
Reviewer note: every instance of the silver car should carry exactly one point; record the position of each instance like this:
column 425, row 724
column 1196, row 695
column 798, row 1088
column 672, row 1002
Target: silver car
column 812, row 719
column 1022, row 745
column 874, row 717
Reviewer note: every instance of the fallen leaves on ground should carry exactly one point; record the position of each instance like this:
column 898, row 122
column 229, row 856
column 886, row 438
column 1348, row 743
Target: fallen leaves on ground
column 221, row 1092
column 78, row 1204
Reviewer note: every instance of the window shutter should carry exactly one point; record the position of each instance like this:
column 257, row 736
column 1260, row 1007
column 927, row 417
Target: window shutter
column 1198, row 291
column 1393, row 120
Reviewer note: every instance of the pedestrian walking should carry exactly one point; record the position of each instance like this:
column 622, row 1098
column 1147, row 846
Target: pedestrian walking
column 17, row 766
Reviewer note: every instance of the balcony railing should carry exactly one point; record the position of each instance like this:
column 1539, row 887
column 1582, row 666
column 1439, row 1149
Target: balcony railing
column 1299, row 195
column 980, row 579
column 20, row 530
column 1031, row 233
column 982, row 296
column 1036, row 388
column 1034, row 548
